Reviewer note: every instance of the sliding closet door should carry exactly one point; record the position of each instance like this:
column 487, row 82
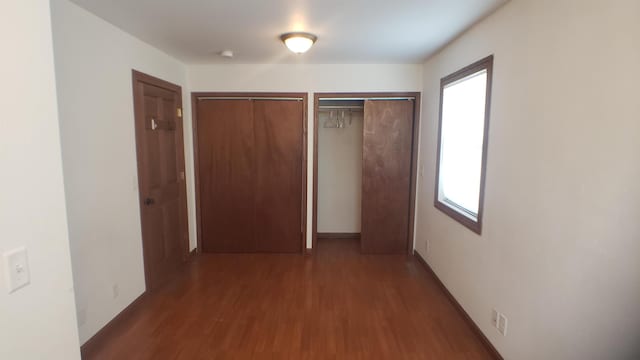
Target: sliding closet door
column 226, row 160
column 386, row 173
column 278, row 174
column 250, row 175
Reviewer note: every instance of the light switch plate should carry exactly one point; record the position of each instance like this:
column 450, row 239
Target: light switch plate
column 16, row 269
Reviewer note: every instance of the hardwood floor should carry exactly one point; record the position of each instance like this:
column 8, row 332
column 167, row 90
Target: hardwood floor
column 336, row 304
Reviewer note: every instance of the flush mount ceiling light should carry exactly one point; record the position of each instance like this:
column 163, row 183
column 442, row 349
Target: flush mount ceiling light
column 226, row 54
column 298, row 42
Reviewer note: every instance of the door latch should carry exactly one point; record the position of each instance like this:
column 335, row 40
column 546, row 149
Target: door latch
column 149, row 201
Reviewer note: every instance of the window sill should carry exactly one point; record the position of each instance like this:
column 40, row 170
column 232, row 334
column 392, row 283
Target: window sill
column 473, row 225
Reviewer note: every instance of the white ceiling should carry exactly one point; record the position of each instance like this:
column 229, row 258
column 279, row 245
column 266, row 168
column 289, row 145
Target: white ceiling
column 349, row 31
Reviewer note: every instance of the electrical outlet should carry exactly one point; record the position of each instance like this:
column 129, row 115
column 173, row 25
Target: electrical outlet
column 502, row 324
column 116, row 291
column 426, row 245
column 16, row 269
column 499, row 321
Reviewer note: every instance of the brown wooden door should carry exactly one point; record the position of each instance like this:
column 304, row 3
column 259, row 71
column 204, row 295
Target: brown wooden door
column 386, row 175
column 250, row 175
column 226, row 153
column 278, row 175
column 161, row 181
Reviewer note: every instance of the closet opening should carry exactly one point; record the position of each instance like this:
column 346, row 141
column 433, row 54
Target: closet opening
column 364, row 172
column 339, row 180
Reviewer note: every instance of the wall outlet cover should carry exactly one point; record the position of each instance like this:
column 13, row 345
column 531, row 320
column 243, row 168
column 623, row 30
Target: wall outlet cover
column 16, row 269
column 502, row 324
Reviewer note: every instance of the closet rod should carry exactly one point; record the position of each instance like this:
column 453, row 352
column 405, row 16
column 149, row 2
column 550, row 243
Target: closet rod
column 338, row 107
column 248, row 98
column 369, row 98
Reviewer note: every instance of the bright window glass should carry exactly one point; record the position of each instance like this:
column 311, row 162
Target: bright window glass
column 461, row 143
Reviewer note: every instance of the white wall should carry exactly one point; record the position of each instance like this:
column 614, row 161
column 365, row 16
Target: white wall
column 561, row 237
column 38, row 321
column 309, row 78
column 340, row 175
column 93, row 64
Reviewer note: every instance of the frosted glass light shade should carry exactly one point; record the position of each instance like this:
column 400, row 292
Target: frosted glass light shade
column 298, row 43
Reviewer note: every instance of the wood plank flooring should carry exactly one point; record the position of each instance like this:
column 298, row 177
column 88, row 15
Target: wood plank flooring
column 337, row 304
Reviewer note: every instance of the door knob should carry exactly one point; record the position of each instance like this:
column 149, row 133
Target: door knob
column 149, row 201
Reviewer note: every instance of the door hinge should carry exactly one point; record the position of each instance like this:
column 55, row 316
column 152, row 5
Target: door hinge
column 179, row 112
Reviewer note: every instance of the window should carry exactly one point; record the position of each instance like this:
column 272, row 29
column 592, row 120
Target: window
column 462, row 143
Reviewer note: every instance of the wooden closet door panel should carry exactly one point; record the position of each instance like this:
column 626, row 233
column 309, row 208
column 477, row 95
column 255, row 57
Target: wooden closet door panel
column 278, row 175
column 226, row 154
column 386, row 172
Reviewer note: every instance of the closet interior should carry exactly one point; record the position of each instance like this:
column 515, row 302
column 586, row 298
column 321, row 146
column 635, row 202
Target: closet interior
column 340, row 124
column 365, row 170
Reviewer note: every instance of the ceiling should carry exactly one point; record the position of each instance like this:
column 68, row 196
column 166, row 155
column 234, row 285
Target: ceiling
column 349, row 31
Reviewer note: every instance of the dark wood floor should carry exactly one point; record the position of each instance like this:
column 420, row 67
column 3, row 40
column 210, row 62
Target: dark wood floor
column 337, row 304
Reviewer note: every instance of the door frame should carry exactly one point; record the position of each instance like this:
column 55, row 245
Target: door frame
column 138, row 106
column 414, row 155
column 195, row 96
